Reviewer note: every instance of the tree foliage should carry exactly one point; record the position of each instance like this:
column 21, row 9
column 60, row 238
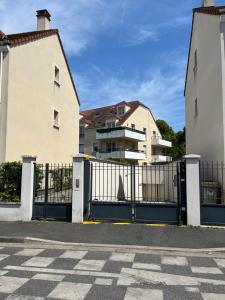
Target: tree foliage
column 177, row 138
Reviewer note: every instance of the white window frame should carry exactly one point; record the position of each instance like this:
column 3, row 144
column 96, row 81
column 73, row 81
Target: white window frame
column 56, row 125
column 119, row 112
column 110, row 122
column 81, row 134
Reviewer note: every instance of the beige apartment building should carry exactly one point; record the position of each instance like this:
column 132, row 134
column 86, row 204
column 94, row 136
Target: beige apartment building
column 205, row 83
column 39, row 105
column 126, row 130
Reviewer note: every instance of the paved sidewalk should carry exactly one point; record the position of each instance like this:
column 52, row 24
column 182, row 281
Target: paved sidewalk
column 28, row 273
column 133, row 234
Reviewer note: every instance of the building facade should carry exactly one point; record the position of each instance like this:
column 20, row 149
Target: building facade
column 126, row 130
column 39, row 105
column 205, row 83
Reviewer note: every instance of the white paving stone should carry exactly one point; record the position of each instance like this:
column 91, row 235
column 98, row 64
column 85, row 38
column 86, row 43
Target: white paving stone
column 220, row 262
column 9, row 284
column 206, row 270
column 38, row 262
column 213, row 296
column 192, row 289
column 29, row 252
column 92, row 265
column 125, row 281
column 3, row 256
column 146, row 266
column 70, row 291
column 143, row 294
column 49, row 277
column 103, row 281
column 74, row 254
column 174, row 261
column 17, row 297
column 126, row 257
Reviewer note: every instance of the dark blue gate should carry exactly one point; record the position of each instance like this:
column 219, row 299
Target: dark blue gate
column 52, row 192
column 133, row 193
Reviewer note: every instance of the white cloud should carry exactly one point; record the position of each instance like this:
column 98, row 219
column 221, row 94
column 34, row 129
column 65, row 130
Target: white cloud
column 161, row 92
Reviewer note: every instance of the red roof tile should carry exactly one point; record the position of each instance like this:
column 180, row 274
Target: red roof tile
column 211, row 10
column 97, row 117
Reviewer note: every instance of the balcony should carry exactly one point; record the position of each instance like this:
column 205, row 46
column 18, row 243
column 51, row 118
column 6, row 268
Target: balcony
column 158, row 141
column 120, row 132
column 125, row 153
column 161, row 159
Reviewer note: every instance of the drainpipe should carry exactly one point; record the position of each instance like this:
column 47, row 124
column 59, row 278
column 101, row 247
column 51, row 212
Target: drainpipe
column 2, row 50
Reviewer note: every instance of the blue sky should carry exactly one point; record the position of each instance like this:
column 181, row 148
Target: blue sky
column 119, row 49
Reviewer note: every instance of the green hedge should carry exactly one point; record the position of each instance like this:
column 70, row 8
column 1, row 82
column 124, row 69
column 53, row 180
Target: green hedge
column 10, row 181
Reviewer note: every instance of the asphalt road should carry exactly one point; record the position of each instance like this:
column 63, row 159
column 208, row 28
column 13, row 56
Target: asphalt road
column 37, row 273
column 133, row 234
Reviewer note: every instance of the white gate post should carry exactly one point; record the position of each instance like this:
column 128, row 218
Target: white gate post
column 78, row 189
column 27, row 188
column 193, row 190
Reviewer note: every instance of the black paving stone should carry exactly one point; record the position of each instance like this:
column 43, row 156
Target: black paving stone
column 147, row 259
column 116, row 266
column 38, row 288
column 51, row 253
column 63, row 263
column 177, row 270
column 13, row 261
column 106, row 293
column 97, row 255
column 201, row 261
column 79, row 279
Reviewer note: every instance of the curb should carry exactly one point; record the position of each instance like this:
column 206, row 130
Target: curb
column 107, row 247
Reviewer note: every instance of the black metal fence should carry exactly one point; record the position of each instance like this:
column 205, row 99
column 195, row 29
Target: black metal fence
column 10, row 181
column 53, row 183
column 113, row 182
column 212, row 175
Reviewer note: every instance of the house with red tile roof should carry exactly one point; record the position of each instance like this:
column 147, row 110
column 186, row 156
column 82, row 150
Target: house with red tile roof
column 123, row 131
column 205, row 83
column 39, row 105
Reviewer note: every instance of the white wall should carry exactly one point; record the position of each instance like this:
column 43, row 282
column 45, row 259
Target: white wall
column 10, row 212
column 205, row 133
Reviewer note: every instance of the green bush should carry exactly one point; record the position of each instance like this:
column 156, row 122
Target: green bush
column 10, row 181
column 62, row 178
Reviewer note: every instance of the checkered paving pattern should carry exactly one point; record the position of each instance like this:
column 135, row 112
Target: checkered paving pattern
column 38, row 274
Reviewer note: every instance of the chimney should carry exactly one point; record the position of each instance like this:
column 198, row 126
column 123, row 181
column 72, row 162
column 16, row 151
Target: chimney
column 43, row 19
column 207, row 3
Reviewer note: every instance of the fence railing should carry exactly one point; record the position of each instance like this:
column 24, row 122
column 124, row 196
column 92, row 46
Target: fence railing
column 212, row 182
column 125, row 183
column 53, row 183
column 10, row 181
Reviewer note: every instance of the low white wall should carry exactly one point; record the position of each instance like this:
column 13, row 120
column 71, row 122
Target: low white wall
column 10, row 212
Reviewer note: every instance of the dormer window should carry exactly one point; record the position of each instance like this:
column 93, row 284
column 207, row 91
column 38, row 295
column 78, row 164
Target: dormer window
column 111, row 124
column 121, row 110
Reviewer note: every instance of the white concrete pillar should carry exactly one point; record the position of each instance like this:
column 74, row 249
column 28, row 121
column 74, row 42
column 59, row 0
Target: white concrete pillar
column 78, row 189
column 27, row 188
column 193, row 190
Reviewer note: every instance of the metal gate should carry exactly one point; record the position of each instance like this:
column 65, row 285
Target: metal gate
column 52, row 192
column 148, row 194
column 212, row 182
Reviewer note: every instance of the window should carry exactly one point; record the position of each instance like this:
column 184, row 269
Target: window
column 145, row 130
column 81, row 148
column 95, row 147
column 56, row 80
column 121, row 110
column 111, row 124
column 195, row 61
column 110, row 147
column 56, row 119
column 145, row 148
column 133, row 126
column 196, row 108
column 81, row 131
column 154, row 133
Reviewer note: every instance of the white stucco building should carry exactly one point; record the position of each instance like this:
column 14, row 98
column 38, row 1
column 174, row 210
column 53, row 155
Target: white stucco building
column 205, row 83
column 39, row 105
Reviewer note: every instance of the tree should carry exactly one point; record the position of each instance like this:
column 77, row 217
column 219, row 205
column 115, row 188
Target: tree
column 177, row 138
